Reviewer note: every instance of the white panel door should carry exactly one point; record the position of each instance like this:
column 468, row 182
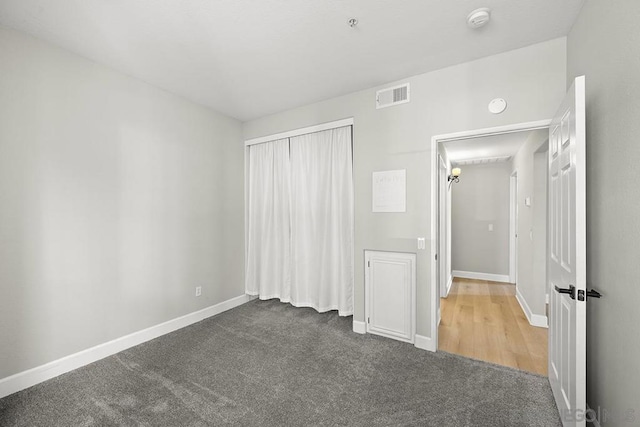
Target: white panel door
column 390, row 282
column 567, row 256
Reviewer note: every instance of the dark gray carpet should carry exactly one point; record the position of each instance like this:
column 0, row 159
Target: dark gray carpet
column 270, row 364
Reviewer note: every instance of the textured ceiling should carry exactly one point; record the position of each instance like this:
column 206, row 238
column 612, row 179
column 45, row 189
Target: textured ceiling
column 250, row 58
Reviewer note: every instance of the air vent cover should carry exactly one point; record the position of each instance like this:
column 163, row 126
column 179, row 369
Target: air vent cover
column 392, row 96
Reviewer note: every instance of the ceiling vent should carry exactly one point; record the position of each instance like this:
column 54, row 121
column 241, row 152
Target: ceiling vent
column 392, row 96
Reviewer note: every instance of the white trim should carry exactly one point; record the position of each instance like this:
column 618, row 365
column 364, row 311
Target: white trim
column 442, row 218
column 539, row 321
column 302, row 131
column 246, row 213
column 534, row 319
column 425, row 343
column 504, row 278
column 359, row 327
column 499, row 130
column 513, row 227
column 420, row 341
column 31, row 377
column 449, row 284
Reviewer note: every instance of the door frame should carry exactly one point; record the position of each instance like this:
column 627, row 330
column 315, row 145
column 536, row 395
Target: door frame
column 443, row 229
column 513, row 227
column 456, row 136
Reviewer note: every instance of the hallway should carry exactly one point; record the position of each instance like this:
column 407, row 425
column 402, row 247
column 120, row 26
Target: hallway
column 483, row 320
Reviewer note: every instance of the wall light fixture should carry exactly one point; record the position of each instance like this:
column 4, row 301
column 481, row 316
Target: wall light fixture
column 455, row 176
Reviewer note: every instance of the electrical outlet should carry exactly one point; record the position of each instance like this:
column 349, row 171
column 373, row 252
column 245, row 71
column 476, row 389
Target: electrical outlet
column 198, row 291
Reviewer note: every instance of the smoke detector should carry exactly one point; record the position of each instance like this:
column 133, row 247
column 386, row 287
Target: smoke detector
column 479, row 18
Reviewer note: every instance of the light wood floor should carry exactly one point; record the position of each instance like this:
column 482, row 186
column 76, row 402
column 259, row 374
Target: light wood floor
column 483, row 320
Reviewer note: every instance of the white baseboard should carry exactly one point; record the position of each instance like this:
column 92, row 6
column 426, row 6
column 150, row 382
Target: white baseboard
column 359, row 327
column 449, row 284
column 539, row 321
column 424, row 343
column 481, row 276
column 31, row 377
column 534, row 319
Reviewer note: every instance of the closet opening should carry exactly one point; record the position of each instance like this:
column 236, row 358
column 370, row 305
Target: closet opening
column 299, row 217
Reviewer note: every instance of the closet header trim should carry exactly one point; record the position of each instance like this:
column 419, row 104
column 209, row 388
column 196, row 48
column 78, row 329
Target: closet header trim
column 301, row 131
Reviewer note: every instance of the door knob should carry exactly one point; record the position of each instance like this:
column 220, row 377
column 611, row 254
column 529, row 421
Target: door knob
column 571, row 291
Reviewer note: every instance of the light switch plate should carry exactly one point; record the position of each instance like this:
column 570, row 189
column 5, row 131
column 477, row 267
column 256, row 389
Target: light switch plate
column 422, row 243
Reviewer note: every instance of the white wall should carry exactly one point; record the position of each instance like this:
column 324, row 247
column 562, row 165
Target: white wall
column 480, row 199
column 603, row 46
column 116, row 200
column 540, row 220
column 529, row 284
column 453, row 99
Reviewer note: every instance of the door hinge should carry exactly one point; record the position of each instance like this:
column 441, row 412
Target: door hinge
column 368, row 263
column 436, row 257
column 368, row 320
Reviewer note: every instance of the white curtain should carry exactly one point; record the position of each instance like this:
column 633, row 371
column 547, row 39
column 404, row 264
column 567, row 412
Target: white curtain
column 268, row 271
column 322, row 220
column 315, row 267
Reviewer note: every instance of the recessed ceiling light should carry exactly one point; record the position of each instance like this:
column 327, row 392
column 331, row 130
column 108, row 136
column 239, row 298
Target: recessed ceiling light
column 479, row 18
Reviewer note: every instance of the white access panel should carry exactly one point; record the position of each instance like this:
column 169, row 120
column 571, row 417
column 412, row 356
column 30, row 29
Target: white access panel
column 390, row 294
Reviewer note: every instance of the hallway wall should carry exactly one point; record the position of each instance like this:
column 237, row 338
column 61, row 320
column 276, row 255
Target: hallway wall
column 530, row 289
column 479, row 201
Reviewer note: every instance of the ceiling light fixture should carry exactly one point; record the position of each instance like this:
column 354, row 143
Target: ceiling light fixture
column 479, row 18
column 352, row 22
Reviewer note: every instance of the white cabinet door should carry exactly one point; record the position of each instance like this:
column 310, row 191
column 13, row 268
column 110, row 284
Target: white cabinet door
column 390, row 288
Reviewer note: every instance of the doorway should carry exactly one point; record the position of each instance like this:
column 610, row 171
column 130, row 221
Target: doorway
column 485, row 304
